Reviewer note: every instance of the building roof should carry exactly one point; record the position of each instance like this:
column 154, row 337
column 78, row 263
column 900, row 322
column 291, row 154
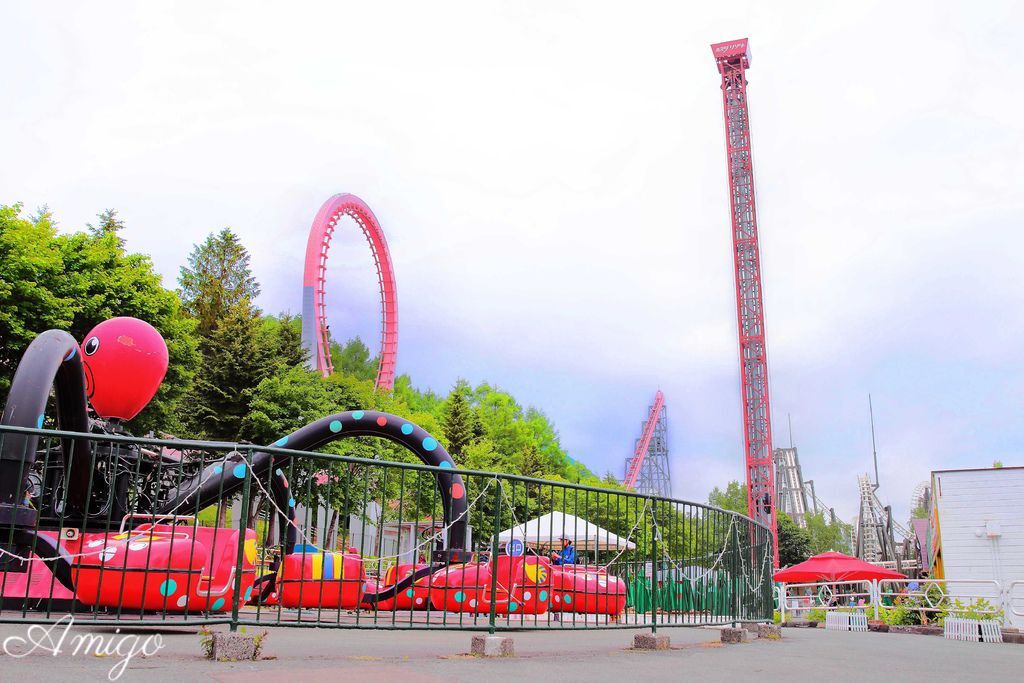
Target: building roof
column 978, row 469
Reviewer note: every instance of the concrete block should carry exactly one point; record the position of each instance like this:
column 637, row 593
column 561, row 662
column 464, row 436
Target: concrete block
column 235, row 647
column 769, row 631
column 493, row 646
column 917, row 630
column 650, row 641
column 750, row 626
column 1013, row 637
column 735, row 635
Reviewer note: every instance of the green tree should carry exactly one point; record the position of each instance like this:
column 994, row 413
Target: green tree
column 733, row 498
column 423, row 401
column 235, row 361
column 107, row 282
column 108, row 224
column 74, row 282
column 283, row 335
column 218, row 289
column 461, row 425
column 353, row 358
column 794, row 542
column 31, row 266
column 530, row 462
column 285, row 401
column 218, row 277
column 827, row 535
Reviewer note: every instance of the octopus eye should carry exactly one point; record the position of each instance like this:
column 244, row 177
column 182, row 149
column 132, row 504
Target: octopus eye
column 92, row 346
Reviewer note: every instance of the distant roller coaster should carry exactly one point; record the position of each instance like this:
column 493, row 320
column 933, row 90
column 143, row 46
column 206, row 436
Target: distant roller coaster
column 315, row 335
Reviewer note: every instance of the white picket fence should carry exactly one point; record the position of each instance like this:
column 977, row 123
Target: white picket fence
column 846, row 621
column 972, row 630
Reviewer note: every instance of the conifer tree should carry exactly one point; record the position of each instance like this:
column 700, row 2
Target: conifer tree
column 461, row 424
column 217, row 278
column 217, row 289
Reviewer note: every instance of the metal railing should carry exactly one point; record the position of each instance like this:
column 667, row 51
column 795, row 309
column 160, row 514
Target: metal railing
column 326, row 540
column 929, row 597
column 1015, row 598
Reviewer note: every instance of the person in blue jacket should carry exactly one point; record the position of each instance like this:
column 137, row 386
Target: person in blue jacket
column 568, row 554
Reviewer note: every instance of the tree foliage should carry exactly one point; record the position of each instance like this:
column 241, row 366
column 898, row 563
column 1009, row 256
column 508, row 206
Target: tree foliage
column 794, row 542
column 826, row 534
column 462, row 426
column 733, row 498
column 240, row 348
column 76, row 281
column 218, row 277
column 353, row 358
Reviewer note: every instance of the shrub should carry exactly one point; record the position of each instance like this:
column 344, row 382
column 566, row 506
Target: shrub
column 817, row 614
column 980, row 609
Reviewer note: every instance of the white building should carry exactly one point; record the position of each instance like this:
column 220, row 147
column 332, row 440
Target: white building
column 976, row 539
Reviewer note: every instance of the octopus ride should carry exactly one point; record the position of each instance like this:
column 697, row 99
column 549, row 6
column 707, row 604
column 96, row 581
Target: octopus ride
column 97, row 523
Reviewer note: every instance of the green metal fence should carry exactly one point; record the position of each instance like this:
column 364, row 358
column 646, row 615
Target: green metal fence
column 332, row 541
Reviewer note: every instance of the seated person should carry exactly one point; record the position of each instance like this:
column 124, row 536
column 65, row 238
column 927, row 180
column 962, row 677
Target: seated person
column 568, row 554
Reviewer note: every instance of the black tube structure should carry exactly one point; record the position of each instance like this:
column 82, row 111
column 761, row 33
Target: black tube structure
column 224, row 478
column 52, row 361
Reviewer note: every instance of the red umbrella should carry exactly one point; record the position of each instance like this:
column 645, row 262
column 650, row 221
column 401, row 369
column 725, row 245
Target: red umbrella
column 834, row 567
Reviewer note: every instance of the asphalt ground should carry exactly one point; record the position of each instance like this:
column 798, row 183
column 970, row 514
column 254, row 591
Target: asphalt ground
column 301, row 654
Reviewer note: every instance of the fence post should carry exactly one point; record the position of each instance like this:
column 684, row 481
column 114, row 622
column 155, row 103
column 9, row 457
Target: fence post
column 782, row 602
column 494, row 556
column 654, row 573
column 242, row 528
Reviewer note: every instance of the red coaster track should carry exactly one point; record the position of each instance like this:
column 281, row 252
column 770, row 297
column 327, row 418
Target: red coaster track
column 315, row 336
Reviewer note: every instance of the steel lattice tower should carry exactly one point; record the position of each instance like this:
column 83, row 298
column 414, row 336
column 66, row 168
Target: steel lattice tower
column 648, row 470
column 733, row 59
column 790, row 485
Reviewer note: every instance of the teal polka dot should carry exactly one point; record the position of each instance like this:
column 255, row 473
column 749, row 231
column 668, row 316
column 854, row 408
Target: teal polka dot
column 218, row 469
column 278, row 472
column 168, row 587
column 512, row 607
column 568, row 599
column 460, row 596
column 291, row 502
column 239, row 471
column 409, row 593
column 543, row 596
column 248, row 593
column 445, row 464
column 429, row 443
column 217, row 604
column 358, row 415
column 39, row 422
column 407, row 429
column 335, row 426
column 281, row 442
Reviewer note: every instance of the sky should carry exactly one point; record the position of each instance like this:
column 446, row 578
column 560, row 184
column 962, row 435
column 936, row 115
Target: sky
column 551, row 180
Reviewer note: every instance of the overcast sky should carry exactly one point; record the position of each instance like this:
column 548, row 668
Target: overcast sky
column 551, row 179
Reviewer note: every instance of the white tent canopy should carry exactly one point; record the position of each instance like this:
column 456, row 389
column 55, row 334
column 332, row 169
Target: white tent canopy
column 547, row 530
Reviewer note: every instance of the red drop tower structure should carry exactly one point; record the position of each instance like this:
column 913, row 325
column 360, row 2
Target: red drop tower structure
column 733, row 60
